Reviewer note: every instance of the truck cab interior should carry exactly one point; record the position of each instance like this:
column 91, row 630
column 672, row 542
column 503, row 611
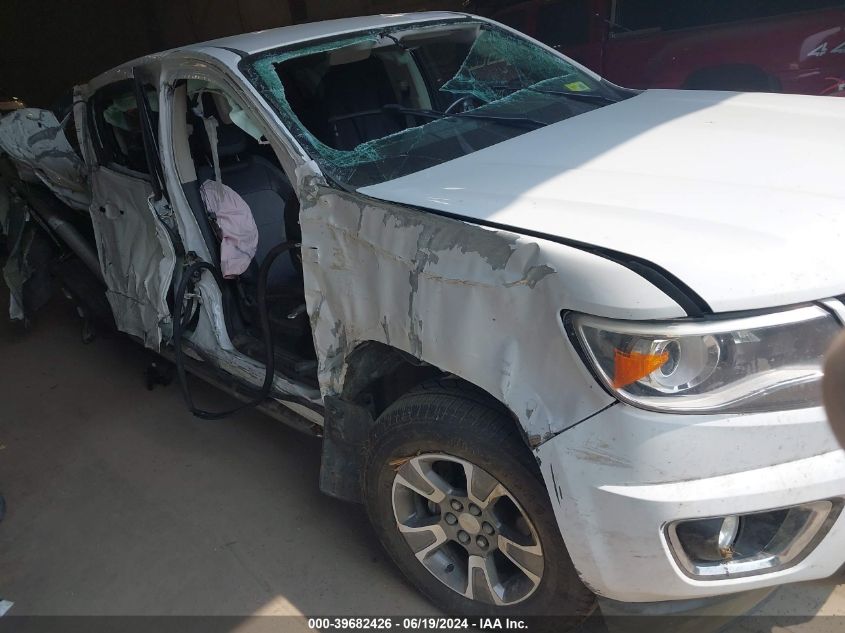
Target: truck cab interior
column 249, row 167
column 363, row 92
column 379, row 106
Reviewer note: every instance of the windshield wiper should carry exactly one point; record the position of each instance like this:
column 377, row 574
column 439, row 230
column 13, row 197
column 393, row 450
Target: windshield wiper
column 516, row 121
column 590, row 97
column 578, row 96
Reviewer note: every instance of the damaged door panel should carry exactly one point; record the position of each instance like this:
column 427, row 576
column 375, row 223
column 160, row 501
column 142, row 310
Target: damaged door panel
column 38, row 143
column 135, row 252
column 29, row 251
column 49, row 246
column 463, row 298
column 37, row 156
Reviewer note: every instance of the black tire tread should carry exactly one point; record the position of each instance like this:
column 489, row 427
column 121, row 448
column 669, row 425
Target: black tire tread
column 445, row 410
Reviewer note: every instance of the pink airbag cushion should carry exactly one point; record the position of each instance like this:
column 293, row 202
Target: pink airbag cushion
column 237, row 227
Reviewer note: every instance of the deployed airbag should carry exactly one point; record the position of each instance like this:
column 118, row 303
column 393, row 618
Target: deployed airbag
column 239, row 235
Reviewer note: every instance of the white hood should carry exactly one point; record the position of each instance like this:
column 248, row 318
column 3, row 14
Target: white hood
column 741, row 196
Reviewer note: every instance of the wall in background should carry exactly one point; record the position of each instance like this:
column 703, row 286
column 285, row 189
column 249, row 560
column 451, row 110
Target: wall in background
column 47, row 47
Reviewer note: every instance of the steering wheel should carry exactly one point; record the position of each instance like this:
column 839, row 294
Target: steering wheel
column 461, row 100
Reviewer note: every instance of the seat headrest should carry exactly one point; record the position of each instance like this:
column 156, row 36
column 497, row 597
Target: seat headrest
column 223, row 108
column 231, row 141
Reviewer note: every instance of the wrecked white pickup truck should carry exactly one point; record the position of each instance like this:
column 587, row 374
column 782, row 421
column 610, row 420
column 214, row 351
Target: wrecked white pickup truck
column 561, row 338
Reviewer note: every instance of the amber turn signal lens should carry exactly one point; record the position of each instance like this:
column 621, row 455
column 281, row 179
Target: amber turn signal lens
column 629, row 368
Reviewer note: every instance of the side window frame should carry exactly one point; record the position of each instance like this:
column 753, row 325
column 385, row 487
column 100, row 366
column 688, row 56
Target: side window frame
column 288, row 151
column 108, row 155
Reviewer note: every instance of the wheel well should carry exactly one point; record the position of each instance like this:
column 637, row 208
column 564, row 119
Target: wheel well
column 739, row 77
column 377, row 376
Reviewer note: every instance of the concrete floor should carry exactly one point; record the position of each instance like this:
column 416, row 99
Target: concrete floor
column 120, row 502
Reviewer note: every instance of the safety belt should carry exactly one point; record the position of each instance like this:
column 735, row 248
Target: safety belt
column 211, row 130
column 211, row 125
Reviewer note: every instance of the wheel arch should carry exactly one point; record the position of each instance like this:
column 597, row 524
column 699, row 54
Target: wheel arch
column 377, row 375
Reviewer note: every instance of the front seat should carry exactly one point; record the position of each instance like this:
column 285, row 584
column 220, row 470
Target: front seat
column 352, row 98
column 267, row 192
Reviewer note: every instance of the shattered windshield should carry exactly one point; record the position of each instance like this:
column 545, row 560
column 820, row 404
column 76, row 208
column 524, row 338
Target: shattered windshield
column 383, row 105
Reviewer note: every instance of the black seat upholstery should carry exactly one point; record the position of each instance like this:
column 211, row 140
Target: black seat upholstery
column 352, row 97
column 267, row 191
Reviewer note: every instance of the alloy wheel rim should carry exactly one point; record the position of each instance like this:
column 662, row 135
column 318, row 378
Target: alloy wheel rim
column 467, row 529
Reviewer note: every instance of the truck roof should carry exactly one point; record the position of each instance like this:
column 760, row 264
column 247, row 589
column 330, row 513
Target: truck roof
column 258, row 41
column 262, row 40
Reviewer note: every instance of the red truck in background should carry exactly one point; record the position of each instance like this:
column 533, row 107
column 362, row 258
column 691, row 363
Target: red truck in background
column 793, row 46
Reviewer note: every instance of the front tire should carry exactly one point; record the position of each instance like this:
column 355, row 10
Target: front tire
column 457, row 500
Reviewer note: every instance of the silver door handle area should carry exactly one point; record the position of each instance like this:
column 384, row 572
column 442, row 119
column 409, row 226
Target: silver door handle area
column 111, row 211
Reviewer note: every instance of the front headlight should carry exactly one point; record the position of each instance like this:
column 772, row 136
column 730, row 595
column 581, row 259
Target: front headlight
column 759, row 363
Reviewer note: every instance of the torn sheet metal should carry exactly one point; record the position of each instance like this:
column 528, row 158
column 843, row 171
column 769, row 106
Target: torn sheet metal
column 478, row 303
column 5, row 209
column 211, row 337
column 135, row 253
column 30, row 251
column 36, row 142
column 136, row 256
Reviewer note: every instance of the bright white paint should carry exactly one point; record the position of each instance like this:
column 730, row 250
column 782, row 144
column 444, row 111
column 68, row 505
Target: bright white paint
column 625, row 473
column 741, row 196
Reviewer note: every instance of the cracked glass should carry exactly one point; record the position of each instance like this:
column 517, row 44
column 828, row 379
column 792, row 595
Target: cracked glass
column 381, row 105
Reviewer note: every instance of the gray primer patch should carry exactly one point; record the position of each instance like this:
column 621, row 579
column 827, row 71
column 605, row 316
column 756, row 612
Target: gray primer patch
column 438, row 233
column 444, row 290
column 534, row 275
column 444, row 234
column 386, row 330
column 315, row 315
column 336, row 355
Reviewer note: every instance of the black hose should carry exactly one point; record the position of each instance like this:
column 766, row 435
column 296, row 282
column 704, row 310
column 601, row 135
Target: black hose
column 179, row 324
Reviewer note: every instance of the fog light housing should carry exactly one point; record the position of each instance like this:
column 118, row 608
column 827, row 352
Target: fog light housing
column 745, row 545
